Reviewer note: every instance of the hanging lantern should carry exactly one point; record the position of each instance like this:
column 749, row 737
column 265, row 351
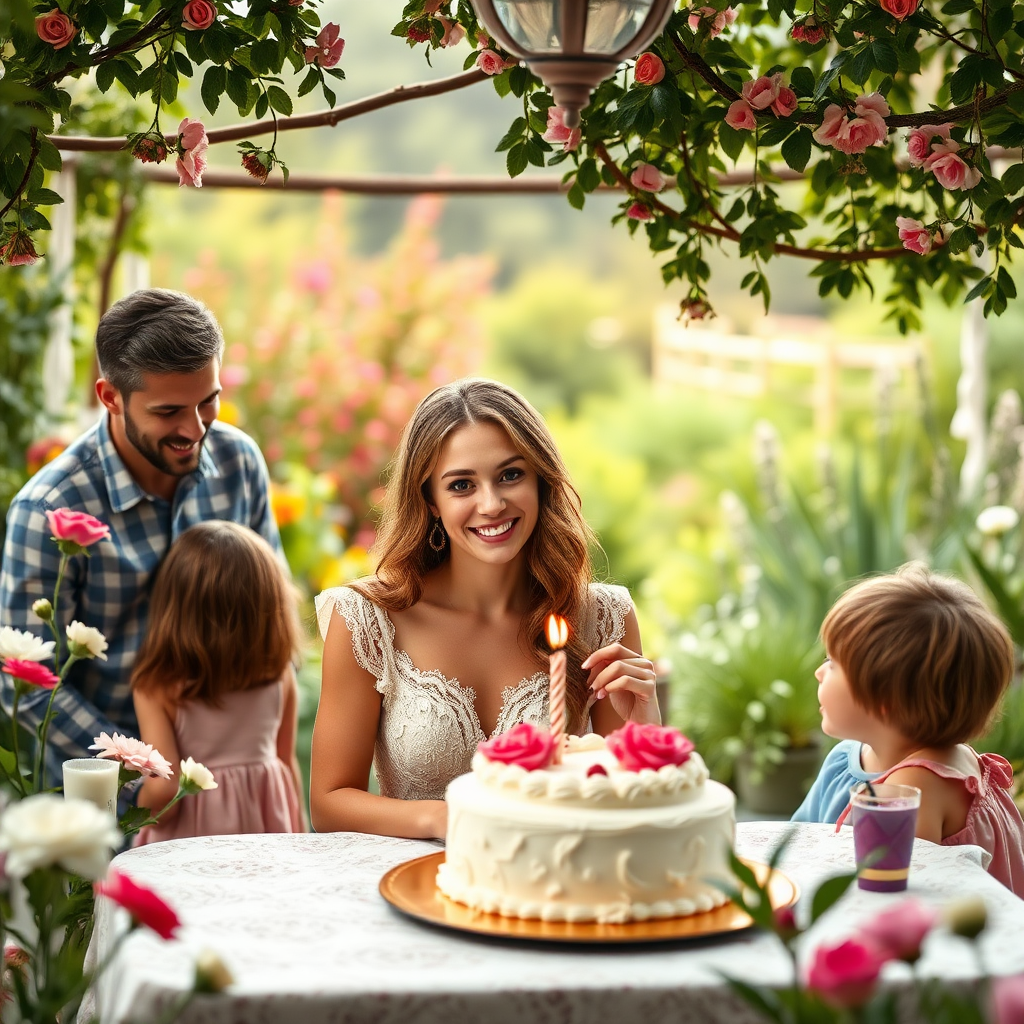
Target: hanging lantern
column 572, row 45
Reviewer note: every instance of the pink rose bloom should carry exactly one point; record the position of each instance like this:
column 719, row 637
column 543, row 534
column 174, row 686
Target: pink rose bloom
column 454, row 33
column 192, row 145
column 831, row 127
column 30, row 672
column 649, row 69
column 740, row 116
column 639, row 211
column 786, row 103
column 524, row 744
column 857, row 135
column 1008, row 1000
column 872, row 105
column 56, row 28
column 133, row 754
column 719, row 19
column 950, row 170
column 78, row 527
column 898, row 931
column 638, row 746
column 919, row 141
column 198, row 14
column 914, row 235
column 647, row 178
column 694, row 309
column 141, row 902
column 845, row 975
column 558, row 134
column 899, row 9
column 763, row 92
column 329, row 47
column 489, row 62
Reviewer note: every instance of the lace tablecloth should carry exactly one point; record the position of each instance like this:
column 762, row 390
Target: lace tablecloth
column 299, row 921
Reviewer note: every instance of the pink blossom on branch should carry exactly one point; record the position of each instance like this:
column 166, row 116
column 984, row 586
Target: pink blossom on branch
column 329, row 47
column 919, row 141
column 740, row 116
column 491, row 63
column 18, row 250
column 56, row 28
column 899, row 9
column 198, row 14
column 453, row 32
column 558, row 134
column 718, row 20
column 191, row 145
column 649, row 69
column 950, row 170
column 639, row 211
column 868, row 127
column 786, row 103
column 647, row 178
column 914, row 235
column 762, row 92
column 808, row 30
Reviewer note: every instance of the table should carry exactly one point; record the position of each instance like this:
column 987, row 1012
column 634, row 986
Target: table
column 300, row 923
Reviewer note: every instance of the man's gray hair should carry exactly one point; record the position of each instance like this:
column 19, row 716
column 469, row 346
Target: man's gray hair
column 155, row 331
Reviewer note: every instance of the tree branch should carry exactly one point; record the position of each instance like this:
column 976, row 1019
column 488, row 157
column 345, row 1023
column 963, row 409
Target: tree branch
column 237, row 132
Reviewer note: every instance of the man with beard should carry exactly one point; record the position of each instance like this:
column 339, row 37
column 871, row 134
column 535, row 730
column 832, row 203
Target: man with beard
column 156, row 463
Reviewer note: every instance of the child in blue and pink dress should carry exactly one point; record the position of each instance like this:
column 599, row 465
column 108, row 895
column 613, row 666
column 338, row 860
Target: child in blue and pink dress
column 915, row 666
column 214, row 681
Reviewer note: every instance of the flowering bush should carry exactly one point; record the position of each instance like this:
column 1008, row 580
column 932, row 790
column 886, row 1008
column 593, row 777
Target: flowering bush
column 325, row 365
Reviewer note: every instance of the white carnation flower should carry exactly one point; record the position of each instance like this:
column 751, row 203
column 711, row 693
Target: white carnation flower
column 196, row 776
column 23, row 645
column 996, row 520
column 86, row 641
column 46, row 829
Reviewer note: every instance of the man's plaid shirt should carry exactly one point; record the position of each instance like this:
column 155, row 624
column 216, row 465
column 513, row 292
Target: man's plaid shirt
column 109, row 589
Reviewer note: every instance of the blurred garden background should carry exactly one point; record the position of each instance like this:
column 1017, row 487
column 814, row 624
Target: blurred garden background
column 734, row 515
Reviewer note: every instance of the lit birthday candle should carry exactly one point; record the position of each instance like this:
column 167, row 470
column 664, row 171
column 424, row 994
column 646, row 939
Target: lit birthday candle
column 558, row 634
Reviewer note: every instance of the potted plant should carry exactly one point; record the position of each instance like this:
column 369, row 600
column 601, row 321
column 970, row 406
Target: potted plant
column 744, row 690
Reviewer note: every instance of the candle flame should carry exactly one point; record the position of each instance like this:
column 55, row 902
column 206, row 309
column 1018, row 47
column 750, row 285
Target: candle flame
column 558, row 632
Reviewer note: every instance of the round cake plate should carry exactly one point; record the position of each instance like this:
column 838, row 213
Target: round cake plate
column 411, row 889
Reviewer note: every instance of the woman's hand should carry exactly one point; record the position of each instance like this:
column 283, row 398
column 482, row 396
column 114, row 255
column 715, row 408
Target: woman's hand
column 628, row 680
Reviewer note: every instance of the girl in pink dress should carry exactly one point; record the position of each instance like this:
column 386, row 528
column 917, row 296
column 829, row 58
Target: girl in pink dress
column 915, row 666
column 214, row 681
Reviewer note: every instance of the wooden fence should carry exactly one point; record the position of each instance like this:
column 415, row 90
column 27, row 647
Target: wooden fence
column 744, row 365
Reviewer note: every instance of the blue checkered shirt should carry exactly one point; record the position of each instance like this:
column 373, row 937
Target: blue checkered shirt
column 109, row 589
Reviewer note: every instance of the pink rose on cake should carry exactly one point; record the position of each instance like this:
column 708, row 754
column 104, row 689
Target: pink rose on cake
column 524, row 744
column 648, row 746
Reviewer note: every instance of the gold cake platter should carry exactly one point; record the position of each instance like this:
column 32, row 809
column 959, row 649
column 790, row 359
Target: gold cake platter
column 411, row 889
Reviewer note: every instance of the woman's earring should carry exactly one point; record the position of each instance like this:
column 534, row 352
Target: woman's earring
column 437, row 538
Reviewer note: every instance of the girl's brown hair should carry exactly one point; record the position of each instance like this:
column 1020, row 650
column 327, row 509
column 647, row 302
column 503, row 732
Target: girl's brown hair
column 223, row 616
column 923, row 653
column 557, row 552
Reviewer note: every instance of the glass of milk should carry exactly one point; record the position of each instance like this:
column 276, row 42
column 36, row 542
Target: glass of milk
column 93, row 779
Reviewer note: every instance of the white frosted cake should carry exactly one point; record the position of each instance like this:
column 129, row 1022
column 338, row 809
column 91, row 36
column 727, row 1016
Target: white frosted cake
column 588, row 839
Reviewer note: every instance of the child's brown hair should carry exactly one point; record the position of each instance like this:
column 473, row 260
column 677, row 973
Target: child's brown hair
column 923, row 652
column 223, row 616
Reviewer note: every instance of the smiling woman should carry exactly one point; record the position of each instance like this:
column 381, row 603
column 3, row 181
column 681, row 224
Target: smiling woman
column 482, row 538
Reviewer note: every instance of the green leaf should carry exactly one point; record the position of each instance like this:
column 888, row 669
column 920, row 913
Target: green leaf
column 588, row 176
column 184, row 64
column 279, row 100
column 576, row 196
column 219, row 44
column 796, row 150
column 1003, row 277
column 329, row 95
column 884, row 54
column 802, row 81
column 514, row 134
column 309, row 83
column 763, row 1000
column 976, row 292
column 168, row 86
column 49, row 155
column 1013, row 179
column 260, row 110
column 829, row 892
column 127, row 76
column 238, row 88
column 214, row 84
column 731, row 141
column 862, row 65
column 517, row 160
column 105, row 75
column 266, row 56
column 47, row 197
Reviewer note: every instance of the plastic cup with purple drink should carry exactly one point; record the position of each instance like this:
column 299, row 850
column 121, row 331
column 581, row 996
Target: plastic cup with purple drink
column 884, row 823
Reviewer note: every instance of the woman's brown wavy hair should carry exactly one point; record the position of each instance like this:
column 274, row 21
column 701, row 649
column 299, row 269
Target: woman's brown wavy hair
column 557, row 552
column 223, row 616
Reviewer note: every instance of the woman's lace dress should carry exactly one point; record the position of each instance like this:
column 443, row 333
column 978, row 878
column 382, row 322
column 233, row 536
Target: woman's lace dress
column 429, row 728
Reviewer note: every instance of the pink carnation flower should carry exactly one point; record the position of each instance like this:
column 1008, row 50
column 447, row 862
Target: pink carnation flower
column 144, row 905
column 30, row 672
column 133, row 754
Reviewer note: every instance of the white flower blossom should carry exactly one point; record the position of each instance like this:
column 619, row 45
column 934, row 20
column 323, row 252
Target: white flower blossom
column 86, row 641
column 23, row 645
column 996, row 520
column 196, row 776
column 46, row 829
